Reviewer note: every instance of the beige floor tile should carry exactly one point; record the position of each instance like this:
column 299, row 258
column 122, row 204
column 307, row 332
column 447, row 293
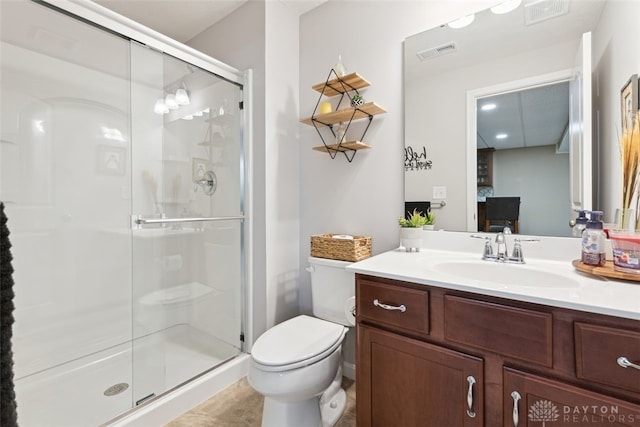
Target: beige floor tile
column 240, row 406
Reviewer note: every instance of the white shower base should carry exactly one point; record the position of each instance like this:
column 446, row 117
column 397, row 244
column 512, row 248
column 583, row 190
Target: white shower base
column 72, row 394
column 175, row 403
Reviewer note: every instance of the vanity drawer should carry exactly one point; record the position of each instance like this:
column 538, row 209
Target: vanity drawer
column 393, row 306
column 509, row 331
column 598, row 349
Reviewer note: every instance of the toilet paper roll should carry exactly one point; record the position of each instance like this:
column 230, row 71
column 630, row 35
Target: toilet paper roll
column 350, row 310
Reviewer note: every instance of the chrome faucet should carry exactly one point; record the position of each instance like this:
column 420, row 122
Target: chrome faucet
column 502, row 253
column 501, row 243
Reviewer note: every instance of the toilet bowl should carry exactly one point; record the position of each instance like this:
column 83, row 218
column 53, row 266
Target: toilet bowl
column 293, row 366
column 297, row 364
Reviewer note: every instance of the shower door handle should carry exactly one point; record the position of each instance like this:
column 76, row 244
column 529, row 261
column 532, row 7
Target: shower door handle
column 139, row 220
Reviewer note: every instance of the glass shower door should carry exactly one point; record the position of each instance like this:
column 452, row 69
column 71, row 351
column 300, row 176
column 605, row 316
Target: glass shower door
column 187, row 188
column 64, row 179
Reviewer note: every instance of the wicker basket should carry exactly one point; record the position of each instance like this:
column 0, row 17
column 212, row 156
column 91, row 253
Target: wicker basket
column 325, row 246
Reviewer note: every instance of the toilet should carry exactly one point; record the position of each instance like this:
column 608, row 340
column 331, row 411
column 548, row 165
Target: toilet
column 297, row 364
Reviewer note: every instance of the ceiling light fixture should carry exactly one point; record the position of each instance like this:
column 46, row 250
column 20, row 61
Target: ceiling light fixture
column 170, row 102
column 182, row 96
column 506, row 7
column 501, row 136
column 160, row 107
column 462, row 22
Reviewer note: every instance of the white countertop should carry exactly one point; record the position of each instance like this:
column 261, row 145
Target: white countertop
column 453, row 261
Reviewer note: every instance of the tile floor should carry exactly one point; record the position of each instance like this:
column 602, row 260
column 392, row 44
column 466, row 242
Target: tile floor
column 240, row 406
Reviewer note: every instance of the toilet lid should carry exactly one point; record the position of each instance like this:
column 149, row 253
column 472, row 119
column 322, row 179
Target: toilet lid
column 296, row 340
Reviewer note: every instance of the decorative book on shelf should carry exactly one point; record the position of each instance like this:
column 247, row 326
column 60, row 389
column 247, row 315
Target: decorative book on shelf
column 346, row 86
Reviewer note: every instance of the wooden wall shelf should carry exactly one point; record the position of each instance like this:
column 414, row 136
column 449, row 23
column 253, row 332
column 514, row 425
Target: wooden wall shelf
column 337, row 86
column 345, row 114
column 345, row 146
column 342, row 86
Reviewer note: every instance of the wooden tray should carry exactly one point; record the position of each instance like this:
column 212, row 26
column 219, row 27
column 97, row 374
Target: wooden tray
column 606, row 271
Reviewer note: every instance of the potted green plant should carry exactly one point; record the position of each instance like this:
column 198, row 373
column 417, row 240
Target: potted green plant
column 431, row 220
column 357, row 100
column 411, row 230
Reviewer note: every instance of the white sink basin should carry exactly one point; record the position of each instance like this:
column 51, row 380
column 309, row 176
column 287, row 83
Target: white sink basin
column 502, row 273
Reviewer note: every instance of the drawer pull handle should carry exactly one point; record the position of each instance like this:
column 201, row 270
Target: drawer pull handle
column 626, row 363
column 401, row 308
column 470, row 412
column 516, row 415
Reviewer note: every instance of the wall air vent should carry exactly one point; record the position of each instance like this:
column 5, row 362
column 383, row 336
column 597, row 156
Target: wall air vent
column 541, row 10
column 423, row 55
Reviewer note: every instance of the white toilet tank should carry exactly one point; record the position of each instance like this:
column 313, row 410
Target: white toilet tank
column 332, row 290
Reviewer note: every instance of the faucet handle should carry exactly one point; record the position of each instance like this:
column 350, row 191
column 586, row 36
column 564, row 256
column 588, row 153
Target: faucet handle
column 517, row 248
column 517, row 252
column 488, row 249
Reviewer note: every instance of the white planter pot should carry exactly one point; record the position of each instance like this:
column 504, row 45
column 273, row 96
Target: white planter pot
column 428, row 227
column 411, row 239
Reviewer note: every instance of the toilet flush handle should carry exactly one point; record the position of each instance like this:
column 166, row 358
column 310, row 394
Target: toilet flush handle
column 310, row 269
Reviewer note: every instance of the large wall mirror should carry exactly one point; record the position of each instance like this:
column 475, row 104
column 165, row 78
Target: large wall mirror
column 491, row 110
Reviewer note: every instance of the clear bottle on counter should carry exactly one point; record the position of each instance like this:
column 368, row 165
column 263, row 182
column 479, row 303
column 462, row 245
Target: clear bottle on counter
column 580, row 225
column 593, row 241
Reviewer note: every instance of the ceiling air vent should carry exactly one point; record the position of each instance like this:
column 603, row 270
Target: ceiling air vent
column 541, row 10
column 423, row 55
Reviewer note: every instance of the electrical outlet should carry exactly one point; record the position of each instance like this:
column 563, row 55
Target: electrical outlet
column 440, row 193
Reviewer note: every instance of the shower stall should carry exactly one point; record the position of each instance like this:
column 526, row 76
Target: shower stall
column 122, row 171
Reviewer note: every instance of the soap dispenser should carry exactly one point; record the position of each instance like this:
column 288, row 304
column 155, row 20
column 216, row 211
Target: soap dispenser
column 593, row 241
column 580, row 223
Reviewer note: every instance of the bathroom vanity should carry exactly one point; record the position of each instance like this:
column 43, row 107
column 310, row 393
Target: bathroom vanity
column 446, row 339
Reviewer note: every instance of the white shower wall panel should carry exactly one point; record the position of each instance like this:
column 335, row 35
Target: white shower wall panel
column 64, row 123
column 84, row 253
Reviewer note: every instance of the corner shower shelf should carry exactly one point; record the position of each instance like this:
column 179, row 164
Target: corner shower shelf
column 342, row 86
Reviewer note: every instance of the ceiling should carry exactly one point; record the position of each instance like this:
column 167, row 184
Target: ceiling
column 527, row 118
column 184, row 19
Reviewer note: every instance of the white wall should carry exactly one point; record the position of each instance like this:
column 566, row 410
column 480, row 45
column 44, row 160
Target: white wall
column 545, row 206
column 282, row 151
column 616, row 57
column 364, row 197
column 239, row 40
column 264, row 37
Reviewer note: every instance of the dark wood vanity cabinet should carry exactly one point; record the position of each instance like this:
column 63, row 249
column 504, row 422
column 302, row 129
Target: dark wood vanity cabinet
column 429, row 356
column 529, row 400
column 411, row 381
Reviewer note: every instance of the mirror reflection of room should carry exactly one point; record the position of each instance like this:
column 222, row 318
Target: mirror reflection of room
column 522, row 140
column 526, row 62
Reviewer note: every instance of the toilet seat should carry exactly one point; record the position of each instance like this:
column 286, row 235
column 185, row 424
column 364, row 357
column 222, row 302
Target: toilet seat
column 297, row 342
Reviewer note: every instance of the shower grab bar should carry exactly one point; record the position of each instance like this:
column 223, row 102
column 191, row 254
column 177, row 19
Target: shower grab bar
column 147, row 221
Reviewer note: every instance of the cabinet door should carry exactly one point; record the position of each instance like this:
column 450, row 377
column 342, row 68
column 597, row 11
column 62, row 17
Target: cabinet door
column 406, row 382
column 484, row 164
column 532, row 401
